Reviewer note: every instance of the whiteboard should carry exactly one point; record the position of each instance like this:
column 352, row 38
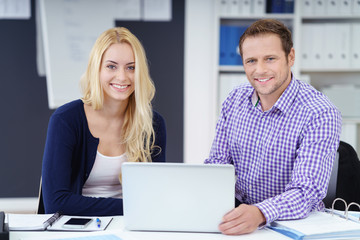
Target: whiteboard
column 69, row 29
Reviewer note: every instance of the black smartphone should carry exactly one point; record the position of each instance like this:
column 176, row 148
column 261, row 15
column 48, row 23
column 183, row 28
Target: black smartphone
column 77, row 223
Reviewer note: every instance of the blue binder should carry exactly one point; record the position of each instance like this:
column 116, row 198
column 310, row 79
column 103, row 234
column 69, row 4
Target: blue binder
column 276, row 6
column 223, row 58
column 288, row 6
column 229, row 42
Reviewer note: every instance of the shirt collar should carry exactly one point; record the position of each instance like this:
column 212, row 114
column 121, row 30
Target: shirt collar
column 288, row 96
column 255, row 99
column 285, row 100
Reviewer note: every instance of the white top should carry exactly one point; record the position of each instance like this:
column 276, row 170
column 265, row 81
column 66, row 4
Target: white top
column 104, row 177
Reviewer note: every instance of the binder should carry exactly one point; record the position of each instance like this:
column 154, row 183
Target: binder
column 321, row 225
column 246, row 8
column 332, row 7
column 289, row 6
column 307, row 8
column 345, row 7
column 259, row 7
column 239, row 32
column 21, row 222
column 355, row 46
column 234, row 7
column 331, row 51
column 233, row 40
column 223, row 6
column 306, row 39
column 344, row 40
column 229, row 41
column 42, row 222
column 356, row 7
column 317, row 50
column 319, row 7
column 223, row 54
column 337, row 45
column 276, row 6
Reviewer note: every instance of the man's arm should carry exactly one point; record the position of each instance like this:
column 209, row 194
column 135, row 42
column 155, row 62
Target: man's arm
column 220, row 153
column 241, row 220
column 311, row 171
column 307, row 187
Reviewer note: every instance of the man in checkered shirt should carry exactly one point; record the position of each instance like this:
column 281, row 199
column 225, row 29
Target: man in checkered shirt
column 281, row 135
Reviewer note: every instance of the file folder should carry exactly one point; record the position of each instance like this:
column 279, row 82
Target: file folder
column 332, row 7
column 344, row 35
column 355, row 46
column 223, row 7
column 307, row 7
column 223, row 58
column 356, row 8
column 259, row 7
column 289, row 6
column 276, row 6
column 234, row 9
column 331, row 56
column 319, row 7
column 306, row 40
column 233, row 41
column 246, row 7
column 345, row 7
column 318, row 39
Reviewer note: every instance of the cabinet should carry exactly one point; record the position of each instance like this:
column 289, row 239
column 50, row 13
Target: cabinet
column 326, row 36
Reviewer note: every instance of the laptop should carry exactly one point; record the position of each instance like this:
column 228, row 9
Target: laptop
column 177, row 196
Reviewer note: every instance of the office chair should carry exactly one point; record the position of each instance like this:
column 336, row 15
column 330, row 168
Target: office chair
column 345, row 178
column 331, row 192
column 41, row 208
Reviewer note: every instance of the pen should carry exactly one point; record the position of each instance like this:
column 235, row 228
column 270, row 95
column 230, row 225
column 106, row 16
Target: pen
column 98, row 222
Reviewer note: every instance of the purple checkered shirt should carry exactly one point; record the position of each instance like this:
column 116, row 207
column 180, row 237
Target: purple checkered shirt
column 282, row 157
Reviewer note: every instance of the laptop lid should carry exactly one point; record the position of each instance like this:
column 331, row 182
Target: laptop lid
column 177, row 196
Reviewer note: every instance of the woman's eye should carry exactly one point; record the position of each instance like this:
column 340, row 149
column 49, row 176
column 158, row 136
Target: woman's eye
column 112, row 67
column 131, row 68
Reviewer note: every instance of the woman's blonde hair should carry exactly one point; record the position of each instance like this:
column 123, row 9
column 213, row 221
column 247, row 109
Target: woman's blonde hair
column 138, row 132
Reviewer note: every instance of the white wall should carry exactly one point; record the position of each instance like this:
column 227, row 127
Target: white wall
column 199, row 74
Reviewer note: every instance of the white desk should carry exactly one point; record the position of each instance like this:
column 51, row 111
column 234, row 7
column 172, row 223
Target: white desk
column 116, row 227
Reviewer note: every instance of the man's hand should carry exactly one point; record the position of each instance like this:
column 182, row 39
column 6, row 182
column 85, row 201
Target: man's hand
column 241, row 220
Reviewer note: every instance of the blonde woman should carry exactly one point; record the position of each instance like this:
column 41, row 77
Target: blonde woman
column 89, row 139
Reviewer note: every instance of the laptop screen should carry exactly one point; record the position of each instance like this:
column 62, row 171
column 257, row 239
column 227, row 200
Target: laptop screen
column 177, row 196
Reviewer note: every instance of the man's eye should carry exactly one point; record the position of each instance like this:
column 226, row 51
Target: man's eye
column 270, row 58
column 250, row 61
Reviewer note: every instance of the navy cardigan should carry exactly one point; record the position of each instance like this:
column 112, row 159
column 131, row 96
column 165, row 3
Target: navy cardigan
column 69, row 156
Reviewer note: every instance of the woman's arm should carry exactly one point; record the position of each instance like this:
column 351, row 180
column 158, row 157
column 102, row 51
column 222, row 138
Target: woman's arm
column 64, row 174
column 158, row 154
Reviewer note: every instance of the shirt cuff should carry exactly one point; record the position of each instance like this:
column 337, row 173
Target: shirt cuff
column 269, row 210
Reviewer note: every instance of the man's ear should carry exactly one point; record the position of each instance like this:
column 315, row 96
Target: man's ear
column 291, row 57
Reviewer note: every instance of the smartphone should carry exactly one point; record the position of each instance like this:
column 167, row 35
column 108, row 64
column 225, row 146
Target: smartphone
column 77, row 223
